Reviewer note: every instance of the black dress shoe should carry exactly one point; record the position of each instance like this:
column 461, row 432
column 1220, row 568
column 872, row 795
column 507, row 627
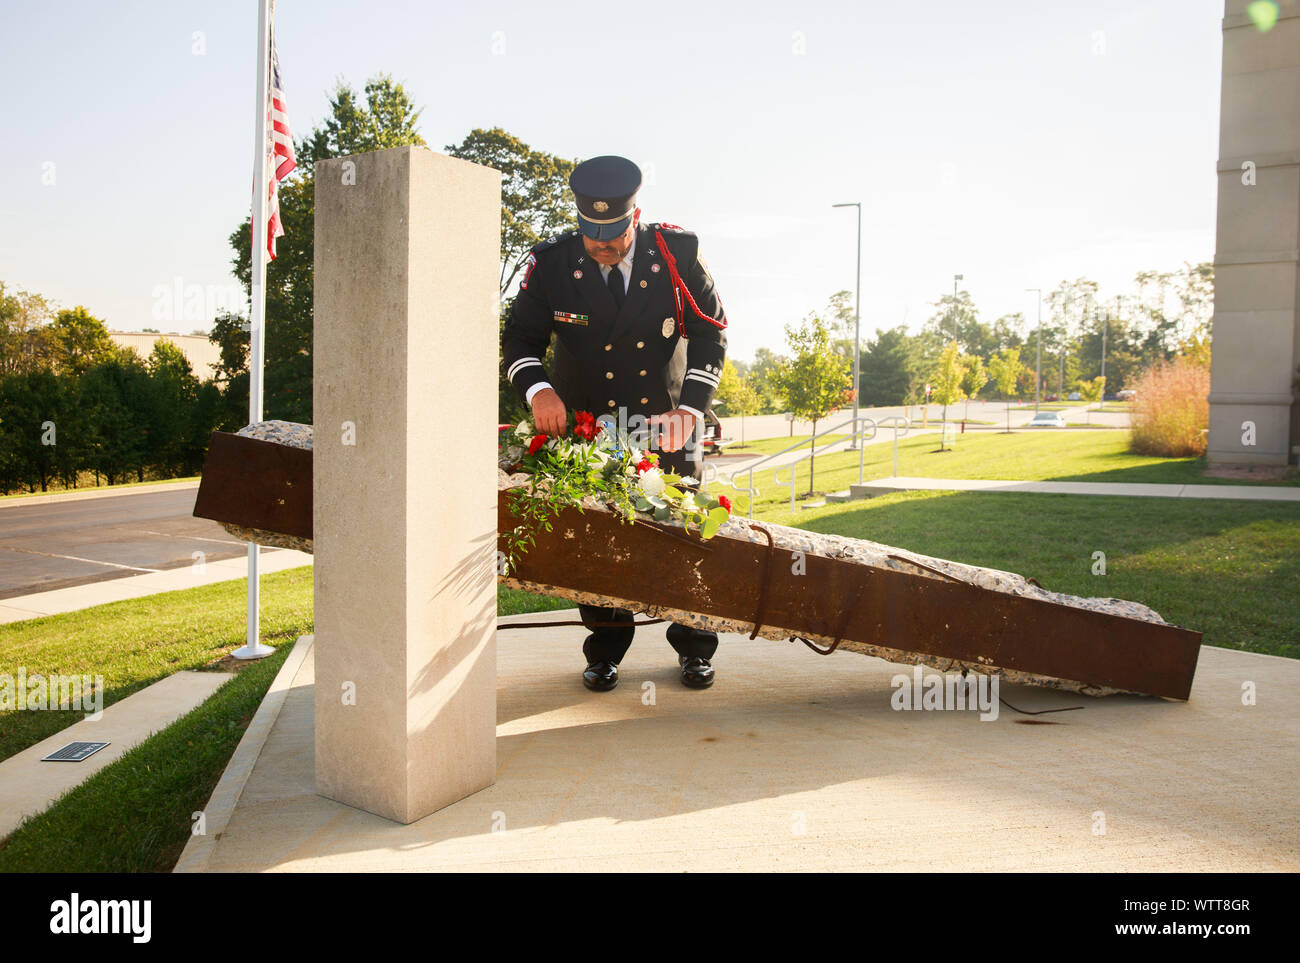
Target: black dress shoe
column 696, row 672
column 600, row 676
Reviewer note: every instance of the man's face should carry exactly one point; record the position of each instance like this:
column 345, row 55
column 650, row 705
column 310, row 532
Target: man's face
column 615, row 249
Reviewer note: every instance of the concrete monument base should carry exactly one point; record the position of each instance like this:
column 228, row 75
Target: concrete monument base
column 404, row 515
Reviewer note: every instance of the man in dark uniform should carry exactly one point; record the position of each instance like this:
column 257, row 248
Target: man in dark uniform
column 639, row 331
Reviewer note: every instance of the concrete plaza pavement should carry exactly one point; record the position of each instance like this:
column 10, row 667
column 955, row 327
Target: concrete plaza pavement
column 796, row 762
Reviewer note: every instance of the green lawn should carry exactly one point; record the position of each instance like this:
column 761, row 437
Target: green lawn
column 134, row 815
column 1225, row 568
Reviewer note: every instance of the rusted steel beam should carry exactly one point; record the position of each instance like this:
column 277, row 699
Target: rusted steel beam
column 940, row 618
column 263, row 489
column 256, row 484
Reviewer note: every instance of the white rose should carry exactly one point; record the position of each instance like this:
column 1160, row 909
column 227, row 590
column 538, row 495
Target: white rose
column 523, row 430
column 652, row 482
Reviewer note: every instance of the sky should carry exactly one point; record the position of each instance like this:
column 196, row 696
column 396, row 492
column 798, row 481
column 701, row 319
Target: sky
column 1016, row 143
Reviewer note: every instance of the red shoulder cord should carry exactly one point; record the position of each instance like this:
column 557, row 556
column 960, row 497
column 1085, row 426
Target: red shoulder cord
column 680, row 289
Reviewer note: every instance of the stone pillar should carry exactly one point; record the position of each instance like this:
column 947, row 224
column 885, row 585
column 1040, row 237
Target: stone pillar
column 1257, row 259
column 404, row 465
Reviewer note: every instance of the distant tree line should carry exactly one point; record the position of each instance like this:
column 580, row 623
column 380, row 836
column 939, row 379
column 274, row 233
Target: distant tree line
column 1164, row 315
column 74, row 406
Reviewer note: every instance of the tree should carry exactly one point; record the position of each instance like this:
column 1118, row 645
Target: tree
column 762, row 375
column 1006, row 370
column 736, row 395
column 813, row 380
column 534, row 206
column 534, row 193
column 1091, row 392
column 386, row 119
column 25, row 342
column 888, row 362
column 974, row 378
column 80, row 341
column 947, row 379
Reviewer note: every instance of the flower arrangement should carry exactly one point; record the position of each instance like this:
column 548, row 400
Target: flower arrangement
column 595, row 459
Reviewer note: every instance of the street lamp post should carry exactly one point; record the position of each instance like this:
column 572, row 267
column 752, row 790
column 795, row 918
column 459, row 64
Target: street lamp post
column 955, row 279
column 1038, row 365
column 857, row 323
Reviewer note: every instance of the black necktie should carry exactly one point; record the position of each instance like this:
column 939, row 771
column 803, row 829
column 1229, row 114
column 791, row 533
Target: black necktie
column 615, row 282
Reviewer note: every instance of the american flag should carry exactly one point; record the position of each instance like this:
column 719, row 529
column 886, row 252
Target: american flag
column 280, row 161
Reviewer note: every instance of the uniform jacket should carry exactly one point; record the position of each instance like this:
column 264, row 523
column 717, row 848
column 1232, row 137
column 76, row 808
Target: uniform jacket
column 606, row 358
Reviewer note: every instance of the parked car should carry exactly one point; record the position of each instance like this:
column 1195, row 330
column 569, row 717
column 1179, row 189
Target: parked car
column 713, row 441
column 1128, row 394
column 1075, row 396
column 1051, row 398
column 1046, row 419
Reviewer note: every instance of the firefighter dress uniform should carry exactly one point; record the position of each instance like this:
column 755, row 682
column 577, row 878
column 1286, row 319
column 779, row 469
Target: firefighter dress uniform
column 643, row 337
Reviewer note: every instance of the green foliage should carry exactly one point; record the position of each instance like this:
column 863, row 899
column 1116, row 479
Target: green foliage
column 387, row 118
column 79, row 340
column 946, row 381
column 1005, row 370
column 534, row 193
column 534, row 206
column 591, row 463
column 813, row 380
column 888, row 367
column 26, row 342
column 736, row 395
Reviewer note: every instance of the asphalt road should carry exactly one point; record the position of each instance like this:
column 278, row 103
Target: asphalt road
column 61, row 544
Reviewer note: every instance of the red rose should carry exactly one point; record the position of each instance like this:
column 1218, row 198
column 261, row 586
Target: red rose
column 644, row 465
column 725, row 502
column 504, row 427
column 536, row 443
column 585, row 418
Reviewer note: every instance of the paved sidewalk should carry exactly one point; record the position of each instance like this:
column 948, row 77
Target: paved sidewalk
column 793, row 762
column 137, row 586
column 882, row 486
column 28, row 786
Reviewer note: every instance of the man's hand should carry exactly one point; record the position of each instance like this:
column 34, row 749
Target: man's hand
column 549, row 414
column 674, row 428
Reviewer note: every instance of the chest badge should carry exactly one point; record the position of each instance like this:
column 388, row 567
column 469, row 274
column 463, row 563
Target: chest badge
column 654, row 268
column 572, row 318
column 668, row 327
column 578, row 275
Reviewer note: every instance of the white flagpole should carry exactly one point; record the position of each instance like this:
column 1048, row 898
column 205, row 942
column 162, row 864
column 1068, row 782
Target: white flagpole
column 253, row 647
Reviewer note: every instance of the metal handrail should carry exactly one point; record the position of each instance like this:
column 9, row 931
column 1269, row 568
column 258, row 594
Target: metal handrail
column 749, row 470
column 907, row 426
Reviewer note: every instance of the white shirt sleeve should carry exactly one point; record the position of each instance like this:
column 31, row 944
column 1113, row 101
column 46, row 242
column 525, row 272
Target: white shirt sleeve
column 533, row 389
column 697, row 413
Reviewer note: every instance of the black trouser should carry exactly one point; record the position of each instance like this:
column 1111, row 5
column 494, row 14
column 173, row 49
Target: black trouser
column 610, row 645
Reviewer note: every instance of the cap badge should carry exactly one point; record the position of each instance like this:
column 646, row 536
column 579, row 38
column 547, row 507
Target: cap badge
column 600, row 207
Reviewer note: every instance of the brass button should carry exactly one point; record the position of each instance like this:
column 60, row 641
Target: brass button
column 642, row 284
column 611, row 402
column 640, row 344
column 645, row 401
column 608, row 347
column 609, row 374
column 643, row 372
